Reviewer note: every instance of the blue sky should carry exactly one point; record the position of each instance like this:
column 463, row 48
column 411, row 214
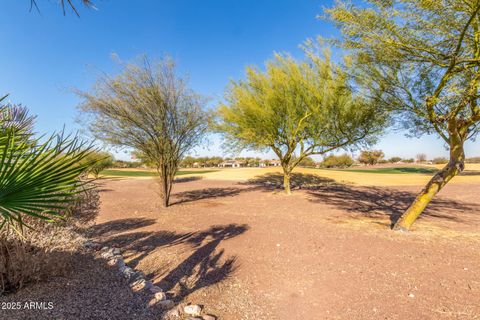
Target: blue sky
column 45, row 54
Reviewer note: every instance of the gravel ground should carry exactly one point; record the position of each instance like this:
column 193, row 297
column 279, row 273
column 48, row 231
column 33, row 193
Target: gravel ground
column 90, row 291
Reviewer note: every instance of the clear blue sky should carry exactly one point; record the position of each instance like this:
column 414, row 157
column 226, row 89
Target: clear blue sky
column 45, row 54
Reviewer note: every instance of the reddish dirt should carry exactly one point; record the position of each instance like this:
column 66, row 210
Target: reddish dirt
column 247, row 251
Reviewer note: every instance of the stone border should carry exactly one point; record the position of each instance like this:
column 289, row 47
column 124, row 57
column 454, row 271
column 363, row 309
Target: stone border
column 138, row 282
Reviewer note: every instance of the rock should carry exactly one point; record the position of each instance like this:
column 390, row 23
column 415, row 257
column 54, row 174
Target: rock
column 411, row 295
column 193, row 310
column 209, row 317
column 194, row 318
column 166, row 304
column 174, row 313
column 128, row 272
column 116, row 251
column 155, row 289
column 108, row 254
column 113, row 262
column 141, row 284
column 104, row 248
column 91, row 245
column 160, row 296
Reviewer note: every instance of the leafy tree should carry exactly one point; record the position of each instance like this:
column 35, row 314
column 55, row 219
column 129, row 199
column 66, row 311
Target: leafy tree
column 370, row 157
column 296, row 109
column 307, row 162
column 150, row 109
column 99, row 162
column 420, row 59
column 394, row 159
column 37, row 179
column 341, row 161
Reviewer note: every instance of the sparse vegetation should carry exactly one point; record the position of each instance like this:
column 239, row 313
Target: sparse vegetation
column 341, row 161
column 370, row 157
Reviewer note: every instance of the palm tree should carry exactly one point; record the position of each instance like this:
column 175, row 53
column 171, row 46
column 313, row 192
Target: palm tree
column 39, row 177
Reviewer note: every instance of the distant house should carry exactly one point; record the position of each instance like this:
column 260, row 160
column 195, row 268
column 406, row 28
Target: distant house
column 269, row 163
column 231, row 164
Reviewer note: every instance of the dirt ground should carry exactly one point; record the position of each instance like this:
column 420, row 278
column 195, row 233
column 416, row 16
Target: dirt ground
column 247, row 251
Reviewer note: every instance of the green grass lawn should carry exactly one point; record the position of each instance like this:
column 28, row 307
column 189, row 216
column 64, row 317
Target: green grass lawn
column 143, row 173
column 399, row 170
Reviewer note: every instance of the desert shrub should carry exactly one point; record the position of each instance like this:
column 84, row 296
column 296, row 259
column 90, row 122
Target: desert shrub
column 99, row 161
column 370, row 157
column 394, row 159
column 440, row 160
column 473, row 160
column 341, row 161
column 410, row 160
column 307, row 162
column 48, row 249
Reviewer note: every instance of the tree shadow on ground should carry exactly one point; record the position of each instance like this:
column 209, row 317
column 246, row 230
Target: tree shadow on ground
column 205, row 266
column 376, row 202
column 187, row 179
column 272, row 181
column 207, row 193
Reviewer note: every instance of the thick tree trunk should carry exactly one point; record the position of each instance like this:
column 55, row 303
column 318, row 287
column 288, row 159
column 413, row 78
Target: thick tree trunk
column 439, row 180
column 165, row 184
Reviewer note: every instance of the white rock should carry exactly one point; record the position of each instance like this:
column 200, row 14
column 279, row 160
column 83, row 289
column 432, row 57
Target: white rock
column 192, row 310
column 174, row 313
column 160, row 296
column 116, row 251
column 411, row 295
column 209, row 317
column 155, row 289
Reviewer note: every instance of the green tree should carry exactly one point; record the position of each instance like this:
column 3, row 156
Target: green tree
column 341, row 161
column 99, row 161
column 150, row 109
column 394, row 159
column 307, row 162
column 297, row 109
column 420, row 59
column 370, row 157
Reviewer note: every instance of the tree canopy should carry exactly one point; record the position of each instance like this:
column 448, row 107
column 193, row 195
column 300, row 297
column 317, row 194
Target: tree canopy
column 421, row 60
column 151, row 110
column 297, row 109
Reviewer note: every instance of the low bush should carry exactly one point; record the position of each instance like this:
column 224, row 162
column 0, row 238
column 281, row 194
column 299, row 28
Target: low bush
column 440, row 160
column 473, row 160
column 48, row 249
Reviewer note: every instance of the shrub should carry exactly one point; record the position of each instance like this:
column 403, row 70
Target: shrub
column 341, row 161
column 307, row 162
column 48, row 250
column 394, row 159
column 440, row 160
column 370, row 157
column 410, row 160
column 99, row 161
column 473, row 160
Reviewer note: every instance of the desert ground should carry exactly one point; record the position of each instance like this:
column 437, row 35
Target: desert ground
column 233, row 242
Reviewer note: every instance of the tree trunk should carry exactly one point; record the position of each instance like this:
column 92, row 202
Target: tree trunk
column 439, row 180
column 286, row 181
column 164, row 184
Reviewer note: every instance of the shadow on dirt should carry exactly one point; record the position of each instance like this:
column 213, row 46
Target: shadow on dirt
column 203, row 266
column 207, row 193
column 376, row 202
column 272, row 181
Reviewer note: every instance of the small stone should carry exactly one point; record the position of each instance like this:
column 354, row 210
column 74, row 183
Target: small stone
column 209, row 317
column 192, row 310
column 411, row 295
column 107, row 254
column 140, row 285
column 104, row 248
column 166, row 304
column 116, row 251
column 112, row 262
column 194, row 318
column 174, row 313
column 155, row 289
column 160, row 296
